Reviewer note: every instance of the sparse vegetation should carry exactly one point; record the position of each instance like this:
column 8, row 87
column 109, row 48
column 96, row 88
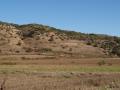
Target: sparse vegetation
column 2, row 86
column 100, row 63
column 51, row 38
column 45, row 50
column 57, row 59
column 27, row 49
column 110, row 44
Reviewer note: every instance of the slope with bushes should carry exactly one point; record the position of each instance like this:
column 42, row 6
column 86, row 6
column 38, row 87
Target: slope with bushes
column 41, row 39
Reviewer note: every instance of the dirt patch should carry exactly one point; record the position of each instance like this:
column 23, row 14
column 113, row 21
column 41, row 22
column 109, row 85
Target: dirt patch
column 52, row 60
column 62, row 81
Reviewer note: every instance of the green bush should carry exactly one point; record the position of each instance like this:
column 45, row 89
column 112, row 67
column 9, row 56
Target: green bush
column 116, row 50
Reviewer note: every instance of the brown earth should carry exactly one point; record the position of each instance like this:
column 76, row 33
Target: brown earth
column 15, row 73
column 52, row 60
column 47, row 43
column 61, row 81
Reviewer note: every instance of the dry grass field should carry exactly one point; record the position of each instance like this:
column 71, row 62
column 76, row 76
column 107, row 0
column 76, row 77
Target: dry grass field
column 35, row 72
column 40, row 57
column 61, row 81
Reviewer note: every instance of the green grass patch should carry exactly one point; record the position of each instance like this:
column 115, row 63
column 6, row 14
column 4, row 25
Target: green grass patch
column 56, row 68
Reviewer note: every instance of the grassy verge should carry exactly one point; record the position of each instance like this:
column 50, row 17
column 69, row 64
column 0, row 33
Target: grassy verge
column 56, row 68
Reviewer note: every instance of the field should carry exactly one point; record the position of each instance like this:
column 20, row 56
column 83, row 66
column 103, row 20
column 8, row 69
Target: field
column 33, row 72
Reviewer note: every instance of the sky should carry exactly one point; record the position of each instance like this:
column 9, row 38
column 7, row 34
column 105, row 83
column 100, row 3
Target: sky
column 87, row 16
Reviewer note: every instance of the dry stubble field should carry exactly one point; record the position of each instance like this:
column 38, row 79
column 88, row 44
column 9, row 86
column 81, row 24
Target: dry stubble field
column 32, row 72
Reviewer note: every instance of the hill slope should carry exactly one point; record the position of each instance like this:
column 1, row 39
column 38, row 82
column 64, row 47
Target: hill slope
column 45, row 40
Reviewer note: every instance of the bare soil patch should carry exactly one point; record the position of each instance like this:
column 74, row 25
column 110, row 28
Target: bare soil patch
column 62, row 81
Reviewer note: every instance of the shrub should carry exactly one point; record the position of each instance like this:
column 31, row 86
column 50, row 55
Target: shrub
column 116, row 50
column 17, row 51
column 8, row 63
column 100, row 63
column 45, row 50
column 70, row 49
column 28, row 49
column 19, row 43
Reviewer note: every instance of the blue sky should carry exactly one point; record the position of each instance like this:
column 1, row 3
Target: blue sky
column 89, row 16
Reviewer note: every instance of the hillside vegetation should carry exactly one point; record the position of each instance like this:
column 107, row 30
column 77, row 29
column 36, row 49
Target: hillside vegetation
column 40, row 39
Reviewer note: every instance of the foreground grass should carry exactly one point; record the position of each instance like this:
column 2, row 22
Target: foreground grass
column 84, row 81
column 56, row 68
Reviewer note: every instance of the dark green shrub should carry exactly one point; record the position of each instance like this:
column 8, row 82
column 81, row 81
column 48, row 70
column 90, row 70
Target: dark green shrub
column 116, row 50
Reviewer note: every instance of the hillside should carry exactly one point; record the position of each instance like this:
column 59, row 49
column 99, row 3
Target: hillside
column 44, row 40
